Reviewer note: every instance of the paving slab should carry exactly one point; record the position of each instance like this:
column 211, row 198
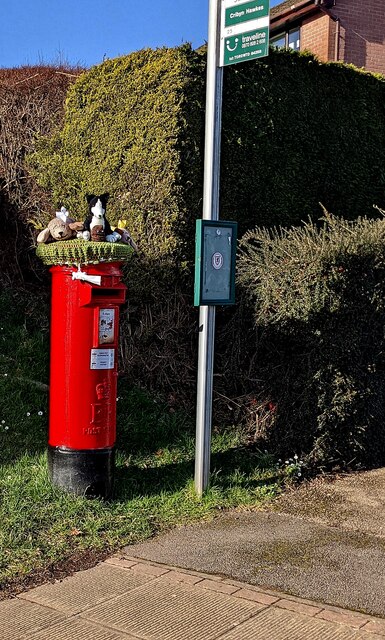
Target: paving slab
column 18, row 618
column 274, row 624
column 86, row 588
column 175, row 605
column 76, row 629
column 173, row 611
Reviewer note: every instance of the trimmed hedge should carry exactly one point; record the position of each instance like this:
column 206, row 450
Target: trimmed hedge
column 318, row 296
column 133, row 127
column 296, row 132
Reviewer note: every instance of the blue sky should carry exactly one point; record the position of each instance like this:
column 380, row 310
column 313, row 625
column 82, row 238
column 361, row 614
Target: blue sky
column 85, row 31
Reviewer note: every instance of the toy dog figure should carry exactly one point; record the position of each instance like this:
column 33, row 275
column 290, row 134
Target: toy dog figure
column 97, row 218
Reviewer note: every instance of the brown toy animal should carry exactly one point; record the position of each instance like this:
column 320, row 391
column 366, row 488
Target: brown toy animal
column 76, row 226
column 97, row 233
column 56, row 230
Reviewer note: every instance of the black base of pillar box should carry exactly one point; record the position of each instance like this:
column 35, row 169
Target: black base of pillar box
column 87, row 473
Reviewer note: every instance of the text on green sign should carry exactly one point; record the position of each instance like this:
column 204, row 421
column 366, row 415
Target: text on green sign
column 247, row 11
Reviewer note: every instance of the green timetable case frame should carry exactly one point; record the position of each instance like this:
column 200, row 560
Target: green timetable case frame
column 215, row 251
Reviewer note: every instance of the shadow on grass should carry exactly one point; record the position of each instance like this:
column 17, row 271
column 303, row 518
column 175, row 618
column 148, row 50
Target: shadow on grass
column 133, row 481
column 146, row 424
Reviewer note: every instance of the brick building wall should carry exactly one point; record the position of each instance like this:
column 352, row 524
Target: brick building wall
column 362, row 33
column 315, row 36
column 357, row 37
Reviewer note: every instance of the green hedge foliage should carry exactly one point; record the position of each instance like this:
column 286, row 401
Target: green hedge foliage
column 133, row 126
column 296, row 132
column 318, row 296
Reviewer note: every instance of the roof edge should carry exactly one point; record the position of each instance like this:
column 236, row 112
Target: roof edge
column 291, row 11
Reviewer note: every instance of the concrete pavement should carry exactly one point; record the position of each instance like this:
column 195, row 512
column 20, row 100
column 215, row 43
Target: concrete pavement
column 283, row 552
column 128, row 599
column 323, row 541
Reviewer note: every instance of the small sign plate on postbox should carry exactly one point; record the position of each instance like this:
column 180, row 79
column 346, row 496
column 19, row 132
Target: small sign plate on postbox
column 102, row 359
column 215, row 249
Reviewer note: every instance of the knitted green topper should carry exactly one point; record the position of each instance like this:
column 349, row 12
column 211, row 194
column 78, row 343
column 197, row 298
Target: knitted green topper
column 74, row 252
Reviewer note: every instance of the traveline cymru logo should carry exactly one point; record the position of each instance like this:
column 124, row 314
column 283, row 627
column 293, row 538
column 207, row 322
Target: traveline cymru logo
column 253, row 44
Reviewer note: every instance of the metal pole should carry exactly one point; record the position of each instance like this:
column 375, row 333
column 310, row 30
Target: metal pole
column 210, row 212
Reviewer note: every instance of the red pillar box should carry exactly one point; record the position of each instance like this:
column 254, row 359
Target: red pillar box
column 83, row 375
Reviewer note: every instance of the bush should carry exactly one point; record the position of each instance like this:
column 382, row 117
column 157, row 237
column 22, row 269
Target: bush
column 134, row 126
column 31, row 103
column 318, row 298
column 297, row 132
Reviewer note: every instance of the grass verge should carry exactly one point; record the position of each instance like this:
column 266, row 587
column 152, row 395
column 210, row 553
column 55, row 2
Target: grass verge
column 41, row 525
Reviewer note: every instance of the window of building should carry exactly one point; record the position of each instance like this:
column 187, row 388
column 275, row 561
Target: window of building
column 279, row 41
column 294, row 39
column 287, row 40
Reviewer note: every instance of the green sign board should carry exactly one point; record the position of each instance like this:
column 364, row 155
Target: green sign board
column 215, row 248
column 246, row 46
column 247, row 11
column 244, row 31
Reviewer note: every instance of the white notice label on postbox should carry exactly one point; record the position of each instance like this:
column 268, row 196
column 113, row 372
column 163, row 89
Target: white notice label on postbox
column 106, row 326
column 102, row 358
